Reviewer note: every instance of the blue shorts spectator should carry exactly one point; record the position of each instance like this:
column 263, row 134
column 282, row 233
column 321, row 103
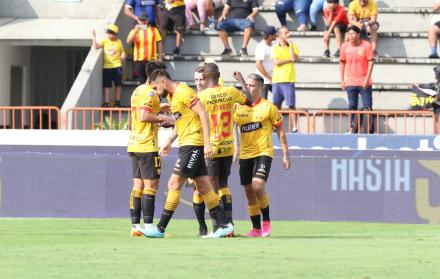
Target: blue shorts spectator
column 284, row 91
column 301, row 8
column 112, row 76
column 235, row 24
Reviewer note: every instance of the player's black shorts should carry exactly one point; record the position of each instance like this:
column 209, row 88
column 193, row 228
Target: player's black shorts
column 220, row 167
column 145, row 165
column 191, row 162
column 258, row 167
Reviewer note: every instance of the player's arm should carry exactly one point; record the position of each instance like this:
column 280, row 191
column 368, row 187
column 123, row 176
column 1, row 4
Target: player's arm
column 128, row 10
column 147, row 116
column 164, row 149
column 198, row 108
column 283, row 140
column 236, row 143
column 239, row 77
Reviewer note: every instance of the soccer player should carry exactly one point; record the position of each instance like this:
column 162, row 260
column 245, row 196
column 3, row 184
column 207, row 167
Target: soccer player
column 143, row 149
column 192, row 129
column 255, row 124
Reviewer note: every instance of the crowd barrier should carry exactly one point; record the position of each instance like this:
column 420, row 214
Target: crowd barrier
column 30, row 117
column 323, row 121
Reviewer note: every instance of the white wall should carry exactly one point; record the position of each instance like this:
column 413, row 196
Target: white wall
column 12, row 56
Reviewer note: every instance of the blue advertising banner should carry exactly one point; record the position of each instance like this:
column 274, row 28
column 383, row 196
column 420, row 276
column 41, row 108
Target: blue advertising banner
column 322, row 185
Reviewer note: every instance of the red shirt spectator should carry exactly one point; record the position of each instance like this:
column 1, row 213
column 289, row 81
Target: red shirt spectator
column 356, row 58
column 339, row 15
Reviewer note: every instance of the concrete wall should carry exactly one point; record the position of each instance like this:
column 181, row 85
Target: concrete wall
column 12, row 56
column 57, row 9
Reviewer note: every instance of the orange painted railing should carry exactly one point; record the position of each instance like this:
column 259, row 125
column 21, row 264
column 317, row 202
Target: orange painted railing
column 30, row 117
column 294, row 120
column 384, row 122
column 97, row 118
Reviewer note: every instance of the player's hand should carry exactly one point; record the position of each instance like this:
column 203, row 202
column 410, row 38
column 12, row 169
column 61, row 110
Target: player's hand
column 286, row 162
column 238, row 76
column 165, row 149
column 209, row 154
column 166, row 121
column 236, row 155
column 165, row 107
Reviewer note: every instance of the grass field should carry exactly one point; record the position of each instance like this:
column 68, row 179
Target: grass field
column 101, row 248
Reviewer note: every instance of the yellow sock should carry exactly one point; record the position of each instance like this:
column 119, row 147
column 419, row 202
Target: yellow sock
column 210, row 199
column 253, row 209
column 198, row 199
column 173, row 199
column 148, row 191
column 263, row 202
column 135, row 193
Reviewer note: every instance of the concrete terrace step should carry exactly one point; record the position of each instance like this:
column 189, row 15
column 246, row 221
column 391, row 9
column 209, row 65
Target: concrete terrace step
column 318, row 96
column 390, row 19
column 384, row 3
column 391, row 44
column 313, row 69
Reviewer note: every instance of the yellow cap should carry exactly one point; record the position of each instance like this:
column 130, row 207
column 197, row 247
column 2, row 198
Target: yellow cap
column 113, row 28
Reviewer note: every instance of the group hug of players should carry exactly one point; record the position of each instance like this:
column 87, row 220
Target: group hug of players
column 208, row 144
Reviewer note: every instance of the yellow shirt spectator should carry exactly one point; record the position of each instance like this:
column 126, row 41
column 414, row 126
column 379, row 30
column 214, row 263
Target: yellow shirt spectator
column 112, row 51
column 355, row 9
column 189, row 127
column 285, row 72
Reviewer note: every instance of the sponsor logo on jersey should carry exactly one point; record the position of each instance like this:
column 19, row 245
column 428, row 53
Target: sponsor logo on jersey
column 250, row 127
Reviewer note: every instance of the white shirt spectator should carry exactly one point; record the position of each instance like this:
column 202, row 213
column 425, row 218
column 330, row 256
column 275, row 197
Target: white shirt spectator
column 262, row 52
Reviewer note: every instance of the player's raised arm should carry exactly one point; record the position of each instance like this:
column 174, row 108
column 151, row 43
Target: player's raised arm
column 239, row 77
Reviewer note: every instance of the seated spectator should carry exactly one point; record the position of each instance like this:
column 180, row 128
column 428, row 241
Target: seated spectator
column 363, row 14
column 172, row 16
column 213, row 5
column 113, row 54
column 301, row 8
column 135, row 8
column 147, row 46
column 242, row 14
column 356, row 61
column 263, row 62
column 434, row 31
column 201, row 6
column 316, row 7
column 336, row 22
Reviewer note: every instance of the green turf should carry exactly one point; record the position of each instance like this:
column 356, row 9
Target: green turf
column 101, row 248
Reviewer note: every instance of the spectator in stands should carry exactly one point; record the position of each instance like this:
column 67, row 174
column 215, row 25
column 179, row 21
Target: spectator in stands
column 336, row 22
column 135, row 8
column 263, row 62
column 242, row 15
column 363, row 14
column 113, row 54
column 213, row 5
column 173, row 15
column 201, row 6
column 356, row 61
column 434, row 31
column 435, row 103
column 301, row 8
column 316, row 7
column 147, row 45
column 284, row 53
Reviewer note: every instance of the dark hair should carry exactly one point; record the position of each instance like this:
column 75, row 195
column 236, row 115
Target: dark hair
column 158, row 74
column 354, row 28
column 211, row 71
column 333, row 1
column 257, row 78
column 154, row 65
